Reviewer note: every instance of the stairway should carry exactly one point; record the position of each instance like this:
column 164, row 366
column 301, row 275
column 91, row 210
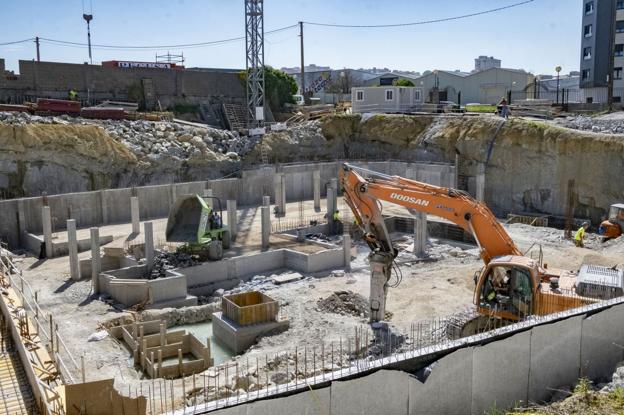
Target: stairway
column 235, row 116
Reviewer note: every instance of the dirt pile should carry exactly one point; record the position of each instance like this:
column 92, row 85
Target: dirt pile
column 344, row 303
column 165, row 261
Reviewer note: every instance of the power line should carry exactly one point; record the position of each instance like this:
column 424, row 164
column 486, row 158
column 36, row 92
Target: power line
column 180, row 46
column 20, row 41
column 423, row 22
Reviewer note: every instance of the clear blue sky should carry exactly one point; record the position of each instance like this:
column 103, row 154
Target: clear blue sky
column 537, row 36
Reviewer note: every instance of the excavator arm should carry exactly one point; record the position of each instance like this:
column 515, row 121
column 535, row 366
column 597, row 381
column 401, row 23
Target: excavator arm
column 364, row 196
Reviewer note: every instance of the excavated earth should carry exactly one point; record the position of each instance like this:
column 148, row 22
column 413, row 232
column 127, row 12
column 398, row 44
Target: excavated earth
column 529, row 164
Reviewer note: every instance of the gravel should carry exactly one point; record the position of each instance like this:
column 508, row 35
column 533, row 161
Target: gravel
column 165, row 261
column 154, row 139
column 345, row 303
column 596, row 125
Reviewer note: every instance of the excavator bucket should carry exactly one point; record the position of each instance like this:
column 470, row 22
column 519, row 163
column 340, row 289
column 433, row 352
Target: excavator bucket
column 187, row 220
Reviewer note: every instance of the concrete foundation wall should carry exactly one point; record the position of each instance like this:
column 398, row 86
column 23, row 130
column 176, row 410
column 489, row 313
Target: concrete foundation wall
column 113, row 206
column 504, row 368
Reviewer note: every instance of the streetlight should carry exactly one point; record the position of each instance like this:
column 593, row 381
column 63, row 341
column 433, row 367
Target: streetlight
column 558, row 69
column 88, row 18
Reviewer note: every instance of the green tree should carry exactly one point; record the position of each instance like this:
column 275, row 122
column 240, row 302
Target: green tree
column 404, row 82
column 279, row 87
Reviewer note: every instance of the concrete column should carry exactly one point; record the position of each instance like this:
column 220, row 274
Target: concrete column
column 480, row 182
column 316, row 185
column 46, row 221
column 134, row 215
column 208, row 197
column 266, row 201
column 96, row 264
column 378, row 288
column 346, row 249
column 282, row 204
column 334, row 185
column 231, row 218
column 420, row 233
column 149, row 245
column 277, row 188
column 265, row 216
column 72, row 245
column 456, row 186
column 331, row 207
column 21, row 221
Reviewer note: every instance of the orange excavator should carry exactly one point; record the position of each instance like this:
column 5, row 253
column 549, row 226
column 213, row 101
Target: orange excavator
column 508, row 288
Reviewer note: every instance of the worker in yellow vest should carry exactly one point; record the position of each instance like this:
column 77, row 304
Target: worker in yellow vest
column 580, row 235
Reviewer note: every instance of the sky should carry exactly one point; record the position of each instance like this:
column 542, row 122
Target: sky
column 537, row 36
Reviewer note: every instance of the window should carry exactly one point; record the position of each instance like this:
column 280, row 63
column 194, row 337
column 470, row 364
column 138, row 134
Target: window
column 589, row 7
column 417, row 95
column 617, row 73
column 359, row 95
column 619, row 4
column 619, row 49
column 507, row 289
column 587, row 53
column 587, row 31
column 617, row 99
column 619, row 26
column 389, row 95
column 585, row 74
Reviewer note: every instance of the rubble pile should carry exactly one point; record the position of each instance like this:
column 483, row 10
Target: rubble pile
column 605, row 126
column 154, row 139
column 344, row 303
column 170, row 260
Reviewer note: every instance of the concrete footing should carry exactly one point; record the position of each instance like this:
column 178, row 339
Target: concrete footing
column 134, row 214
column 72, row 244
column 96, row 264
column 231, row 218
column 239, row 338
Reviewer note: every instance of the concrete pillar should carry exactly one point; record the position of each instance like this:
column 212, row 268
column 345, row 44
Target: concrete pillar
column 266, row 201
column 331, row 207
column 72, row 245
column 346, row 249
column 149, row 245
column 96, row 265
column 231, row 218
column 334, row 185
column 456, row 185
column 134, row 215
column 46, row 221
column 480, row 182
column 378, row 287
column 282, row 203
column 21, row 221
column 208, row 197
column 316, row 185
column 277, row 187
column 265, row 216
column 420, row 233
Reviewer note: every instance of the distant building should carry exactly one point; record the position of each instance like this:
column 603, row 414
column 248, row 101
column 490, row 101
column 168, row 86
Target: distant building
column 602, row 24
column 483, row 63
column 308, row 68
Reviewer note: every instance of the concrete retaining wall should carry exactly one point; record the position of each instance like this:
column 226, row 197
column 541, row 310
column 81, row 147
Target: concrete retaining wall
column 113, row 206
column 500, row 369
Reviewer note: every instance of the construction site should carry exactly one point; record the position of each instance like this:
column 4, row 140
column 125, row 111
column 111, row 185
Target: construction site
column 317, row 260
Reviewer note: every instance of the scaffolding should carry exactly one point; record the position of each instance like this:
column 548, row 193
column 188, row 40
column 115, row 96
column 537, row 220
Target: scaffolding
column 254, row 37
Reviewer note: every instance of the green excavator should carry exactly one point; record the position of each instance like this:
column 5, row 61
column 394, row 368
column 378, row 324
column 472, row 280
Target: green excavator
column 199, row 226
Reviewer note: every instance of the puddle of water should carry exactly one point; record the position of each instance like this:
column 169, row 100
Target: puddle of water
column 220, row 352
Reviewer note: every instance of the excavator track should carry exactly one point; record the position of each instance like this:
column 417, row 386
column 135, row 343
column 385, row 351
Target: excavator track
column 469, row 322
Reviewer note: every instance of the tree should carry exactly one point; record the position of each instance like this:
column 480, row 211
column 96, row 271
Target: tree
column 279, row 87
column 404, row 82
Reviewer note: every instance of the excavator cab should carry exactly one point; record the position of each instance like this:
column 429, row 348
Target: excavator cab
column 614, row 225
column 506, row 289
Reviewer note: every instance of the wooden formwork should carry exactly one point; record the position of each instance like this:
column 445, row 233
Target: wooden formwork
column 151, row 346
column 249, row 308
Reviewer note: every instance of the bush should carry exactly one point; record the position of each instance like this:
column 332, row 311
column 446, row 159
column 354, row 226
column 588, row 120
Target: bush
column 404, row 82
column 279, row 87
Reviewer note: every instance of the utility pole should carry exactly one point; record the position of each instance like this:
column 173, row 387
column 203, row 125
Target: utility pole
column 37, row 43
column 611, row 57
column 302, row 61
column 88, row 18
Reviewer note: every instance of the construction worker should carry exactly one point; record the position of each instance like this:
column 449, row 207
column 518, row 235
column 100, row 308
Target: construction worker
column 73, row 95
column 337, row 222
column 580, row 234
column 504, row 108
